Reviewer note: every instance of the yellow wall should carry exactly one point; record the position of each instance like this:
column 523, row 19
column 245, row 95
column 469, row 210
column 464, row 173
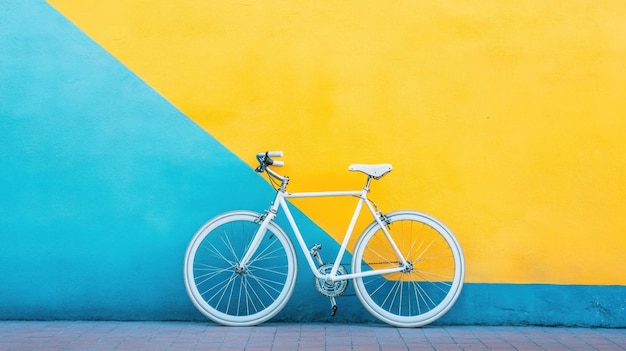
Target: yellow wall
column 505, row 120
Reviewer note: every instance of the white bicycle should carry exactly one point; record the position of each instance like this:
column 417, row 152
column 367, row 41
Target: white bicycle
column 240, row 267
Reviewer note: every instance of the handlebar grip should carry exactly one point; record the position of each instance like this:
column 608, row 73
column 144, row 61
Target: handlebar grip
column 278, row 163
column 275, row 153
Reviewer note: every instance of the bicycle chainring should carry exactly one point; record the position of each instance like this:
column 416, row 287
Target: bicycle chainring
column 330, row 289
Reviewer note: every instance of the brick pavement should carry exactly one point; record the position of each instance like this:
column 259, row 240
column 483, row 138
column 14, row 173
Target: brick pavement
column 79, row 335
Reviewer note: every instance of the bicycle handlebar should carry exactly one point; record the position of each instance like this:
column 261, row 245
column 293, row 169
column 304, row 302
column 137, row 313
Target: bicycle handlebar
column 265, row 159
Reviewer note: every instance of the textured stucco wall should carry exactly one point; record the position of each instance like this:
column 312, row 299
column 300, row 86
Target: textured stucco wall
column 503, row 120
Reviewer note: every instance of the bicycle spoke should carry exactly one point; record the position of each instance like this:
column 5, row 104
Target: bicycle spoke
column 416, row 295
column 384, row 281
column 378, row 258
column 264, row 255
column 250, row 302
column 273, row 272
column 242, row 285
column 212, row 287
column 265, row 286
column 216, row 253
column 226, row 241
column 414, row 242
column 211, row 274
column 428, row 298
column 425, row 275
column 229, row 285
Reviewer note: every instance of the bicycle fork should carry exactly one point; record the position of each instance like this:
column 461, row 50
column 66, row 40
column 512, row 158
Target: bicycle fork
column 265, row 220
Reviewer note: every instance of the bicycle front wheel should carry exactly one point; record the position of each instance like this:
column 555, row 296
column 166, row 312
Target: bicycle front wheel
column 222, row 291
column 428, row 288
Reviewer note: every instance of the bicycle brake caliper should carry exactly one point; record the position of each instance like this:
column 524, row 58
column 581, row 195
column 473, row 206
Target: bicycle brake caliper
column 261, row 218
column 383, row 218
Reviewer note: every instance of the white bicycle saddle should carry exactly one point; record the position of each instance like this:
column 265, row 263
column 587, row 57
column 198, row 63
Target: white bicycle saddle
column 375, row 171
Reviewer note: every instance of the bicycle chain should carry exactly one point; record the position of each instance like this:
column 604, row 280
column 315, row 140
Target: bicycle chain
column 370, row 263
column 348, row 265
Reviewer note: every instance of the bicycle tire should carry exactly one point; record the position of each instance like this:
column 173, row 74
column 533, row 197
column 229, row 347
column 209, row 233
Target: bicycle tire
column 425, row 293
column 234, row 298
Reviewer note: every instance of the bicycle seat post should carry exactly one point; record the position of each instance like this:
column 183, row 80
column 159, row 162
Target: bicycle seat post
column 367, row 183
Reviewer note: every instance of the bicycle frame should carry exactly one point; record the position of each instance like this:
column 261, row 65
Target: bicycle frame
column 280, row 202
column 241, row 267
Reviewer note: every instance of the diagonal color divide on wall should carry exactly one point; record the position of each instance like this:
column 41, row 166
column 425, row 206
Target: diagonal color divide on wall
column 503, row 120
column 104, row 182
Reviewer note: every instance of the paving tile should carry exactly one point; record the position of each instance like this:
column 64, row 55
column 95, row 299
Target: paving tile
column 172, row 336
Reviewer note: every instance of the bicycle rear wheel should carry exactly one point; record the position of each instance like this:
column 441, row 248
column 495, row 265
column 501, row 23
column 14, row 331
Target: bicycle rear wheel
column 231, row 296
column 427, row 290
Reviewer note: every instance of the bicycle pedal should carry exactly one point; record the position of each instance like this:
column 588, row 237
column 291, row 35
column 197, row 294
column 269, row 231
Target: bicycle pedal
column 333, row 310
